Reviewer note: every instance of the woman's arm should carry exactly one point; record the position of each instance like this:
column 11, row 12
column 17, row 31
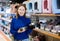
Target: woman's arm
column 12, row 30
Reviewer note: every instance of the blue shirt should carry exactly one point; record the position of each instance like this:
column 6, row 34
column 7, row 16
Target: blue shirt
column 19, row 23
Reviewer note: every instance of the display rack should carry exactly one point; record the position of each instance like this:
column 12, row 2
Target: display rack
column 5, row 34
column 47, row 33
column 45, row 14
column 43, row 31
column 8, row 27
column 5, row 19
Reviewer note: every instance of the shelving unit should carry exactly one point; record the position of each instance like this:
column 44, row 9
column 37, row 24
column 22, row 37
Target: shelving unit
column 5, row 19
column 8, row 27
column 4, row 34
column 45, row 15
column 47, row 33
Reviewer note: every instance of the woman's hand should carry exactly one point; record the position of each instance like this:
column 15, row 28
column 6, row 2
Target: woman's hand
column 21, row 30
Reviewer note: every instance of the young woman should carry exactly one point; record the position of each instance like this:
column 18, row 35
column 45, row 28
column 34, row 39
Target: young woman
column 20, row 25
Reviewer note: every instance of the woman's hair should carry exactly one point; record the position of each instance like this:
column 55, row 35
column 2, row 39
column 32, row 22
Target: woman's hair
column 17, row 7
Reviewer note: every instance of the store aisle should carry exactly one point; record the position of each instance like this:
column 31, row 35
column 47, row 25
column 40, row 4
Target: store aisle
column 3, row 37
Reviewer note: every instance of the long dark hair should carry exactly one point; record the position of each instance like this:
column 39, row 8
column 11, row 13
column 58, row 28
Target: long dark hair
column 17, row 7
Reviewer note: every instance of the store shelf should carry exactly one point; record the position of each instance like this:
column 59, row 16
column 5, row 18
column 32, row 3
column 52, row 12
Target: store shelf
column 4, row 37
column 5, row 19
column 45, row 14
column 8, row 27
column 47, row 33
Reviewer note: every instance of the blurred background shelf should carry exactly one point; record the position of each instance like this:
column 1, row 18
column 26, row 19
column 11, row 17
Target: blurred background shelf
column 8, row 27
column 5, row 19
column 47, row 33
column 45, row 14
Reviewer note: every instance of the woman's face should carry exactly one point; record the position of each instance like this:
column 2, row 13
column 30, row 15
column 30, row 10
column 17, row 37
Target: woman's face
column 21, row 10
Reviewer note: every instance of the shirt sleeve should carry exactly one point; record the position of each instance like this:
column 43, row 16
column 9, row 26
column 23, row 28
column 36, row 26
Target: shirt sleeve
column 12, row 30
